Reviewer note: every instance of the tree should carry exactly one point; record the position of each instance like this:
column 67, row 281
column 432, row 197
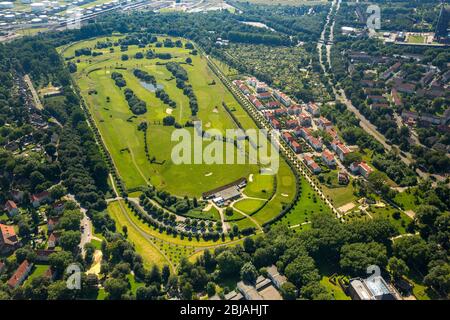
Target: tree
column 69, row 240
column 439, row 278
column 301, row 271
column 115, row 287
column 70, row 220
column 249, row 273
column 124, row 57
column 168, row 121
column 211, row 289
column 288, row 291
column 58, row 291
column 413, row 250
column 397, row 268
column 57, row 191
column 165, row 273
column 352, row 157
column 356, row 257
column 229, row 211
column 147, row 293
column 60, row 260
column 249, row 245
column 228, row 263
column 187, row 291
column 426, row 216
column 315, row 291
column 188, row 60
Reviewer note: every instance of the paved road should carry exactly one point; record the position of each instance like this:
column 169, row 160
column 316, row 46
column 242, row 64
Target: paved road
column 86, row 225
column 30, row 85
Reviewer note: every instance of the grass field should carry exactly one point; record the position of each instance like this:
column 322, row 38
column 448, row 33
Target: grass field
column 145, row 247
column 307, row 205
column 114, row 122
column 249, row 206
column 125, row 143
column 38, row 270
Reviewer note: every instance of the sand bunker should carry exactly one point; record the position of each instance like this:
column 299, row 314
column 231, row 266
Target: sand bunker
column 250, row 177
column 169, row 110
column 208, row 174
column 285, row 195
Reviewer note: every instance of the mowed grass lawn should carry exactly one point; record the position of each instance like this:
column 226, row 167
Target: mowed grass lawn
column 119, row 128
column 144, row 247
column 248, row 206
column 309, row 204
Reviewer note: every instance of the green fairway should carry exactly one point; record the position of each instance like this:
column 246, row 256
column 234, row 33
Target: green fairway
column 119, row 128
column 309, row 203
column 248, row 206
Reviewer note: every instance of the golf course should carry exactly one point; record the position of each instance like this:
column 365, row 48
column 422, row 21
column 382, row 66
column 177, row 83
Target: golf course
column 142, row 157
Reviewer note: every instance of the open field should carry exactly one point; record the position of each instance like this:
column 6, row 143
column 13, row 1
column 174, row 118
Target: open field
column 249, row 206
column 116, row 121
column 126, row 144
column 307, row 205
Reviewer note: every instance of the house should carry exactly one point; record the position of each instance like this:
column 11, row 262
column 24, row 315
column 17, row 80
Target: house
column 283, row 98
column 8, row 239
column 333, row 134
column 280, row 112
column 389, row 72
column 261, row 87
column 43, row 255
column 59, row 206
column 264, row 95
column 295, row 110
column 52, row 241
column 273, row 105
column 291, row 124
column 396, row 98
column 296, row 146
column 51, row 224
column 343, row 178
column 263, row 289
column 275, row 123
column 323, row 123
column 335, row 143
column 252, row 81
column 316, row 143
column 287, row 137
column 342, row 151
column 374, row 288
column 313, row 109
column 305, row 120
column 20, row 274
column 365, row 170
column 39, row 198
column 406, row 88
column 361, row 168
column 277, row 279
column 328, row 158
column 311, row 164
column 50, row 273
column 11, row 208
